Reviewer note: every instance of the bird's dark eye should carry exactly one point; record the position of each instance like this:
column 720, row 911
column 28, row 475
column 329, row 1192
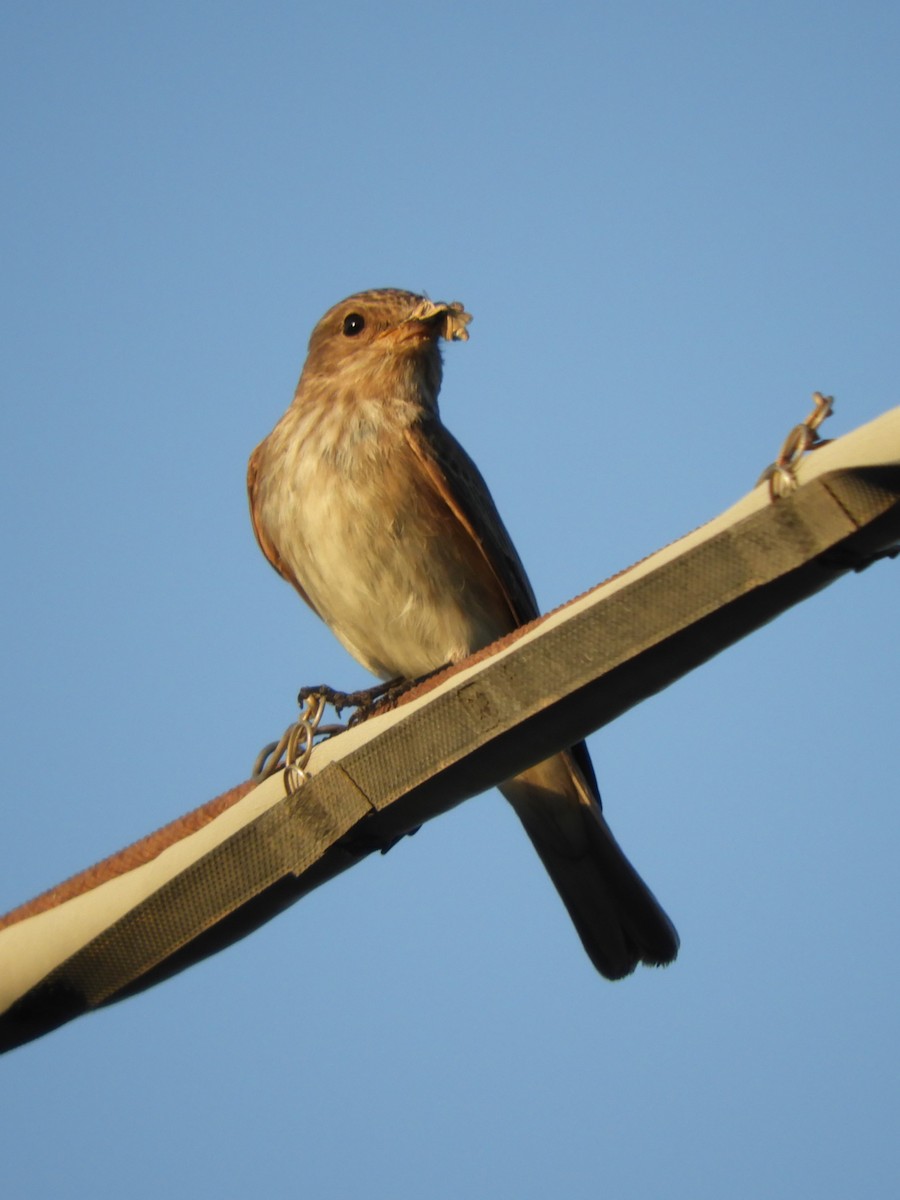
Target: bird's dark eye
column 354, row 323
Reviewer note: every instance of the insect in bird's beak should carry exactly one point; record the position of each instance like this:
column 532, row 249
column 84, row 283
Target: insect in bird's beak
column 450, row 320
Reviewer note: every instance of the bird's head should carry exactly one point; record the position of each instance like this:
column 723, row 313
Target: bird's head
column 386, row 340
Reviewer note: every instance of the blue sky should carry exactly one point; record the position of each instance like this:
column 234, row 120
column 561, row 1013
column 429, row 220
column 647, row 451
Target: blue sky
column 672, row 223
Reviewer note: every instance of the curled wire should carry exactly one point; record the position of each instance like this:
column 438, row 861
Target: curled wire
column 292, row 751
column 782, row 474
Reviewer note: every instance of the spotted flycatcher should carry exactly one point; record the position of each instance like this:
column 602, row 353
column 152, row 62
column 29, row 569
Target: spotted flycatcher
column 364, row 502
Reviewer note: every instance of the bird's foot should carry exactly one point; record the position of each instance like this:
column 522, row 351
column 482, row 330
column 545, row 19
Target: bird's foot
column 364, row 701
column 380, row 699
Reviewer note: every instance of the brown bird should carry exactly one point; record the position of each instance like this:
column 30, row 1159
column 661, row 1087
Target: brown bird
column 364, row 502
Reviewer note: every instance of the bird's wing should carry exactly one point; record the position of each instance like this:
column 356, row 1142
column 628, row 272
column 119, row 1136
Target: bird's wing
column 265, row 544
column 460, row 487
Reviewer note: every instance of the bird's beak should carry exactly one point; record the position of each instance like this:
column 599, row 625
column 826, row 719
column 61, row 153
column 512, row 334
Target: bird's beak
column 430, row 320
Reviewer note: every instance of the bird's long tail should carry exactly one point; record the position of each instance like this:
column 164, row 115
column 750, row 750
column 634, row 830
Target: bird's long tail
column 617, row 917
